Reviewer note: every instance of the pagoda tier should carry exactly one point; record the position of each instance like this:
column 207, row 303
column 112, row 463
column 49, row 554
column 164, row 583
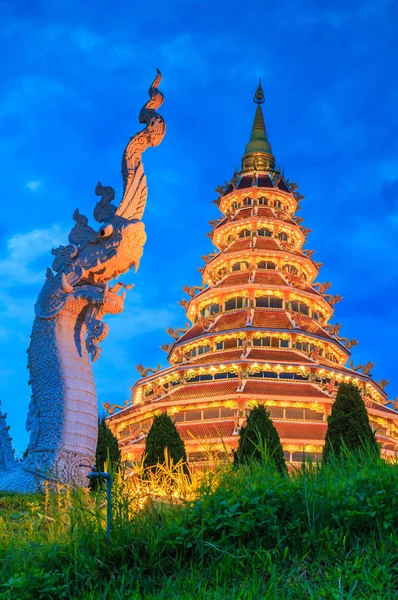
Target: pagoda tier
column 258, row 331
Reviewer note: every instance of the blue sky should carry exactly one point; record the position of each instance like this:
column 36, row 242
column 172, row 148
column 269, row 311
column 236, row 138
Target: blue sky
column 73, row 78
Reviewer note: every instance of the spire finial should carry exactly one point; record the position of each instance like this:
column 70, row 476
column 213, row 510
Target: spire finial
column 258, row 153
column 259, row 95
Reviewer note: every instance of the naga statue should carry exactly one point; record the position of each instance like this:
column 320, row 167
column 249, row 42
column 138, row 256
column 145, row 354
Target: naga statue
column 366, row 369
column 111, row 408
column 322, row 287
column 333, row 329
column 145, row 371
column 175, row 333
column 63, row 411
column 191, row 291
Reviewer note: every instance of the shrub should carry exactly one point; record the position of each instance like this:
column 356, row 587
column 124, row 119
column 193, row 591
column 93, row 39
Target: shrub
column 163, row 434
column 348, row 425
column 259, row 440
column 107, row 449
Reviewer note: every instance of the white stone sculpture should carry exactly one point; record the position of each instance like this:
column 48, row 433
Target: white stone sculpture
column 63, row 411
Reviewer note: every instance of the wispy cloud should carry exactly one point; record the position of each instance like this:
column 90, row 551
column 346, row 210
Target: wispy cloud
column 34, row 185
column 23, row 251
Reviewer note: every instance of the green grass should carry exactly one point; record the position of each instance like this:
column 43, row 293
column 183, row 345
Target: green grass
column 326, row 533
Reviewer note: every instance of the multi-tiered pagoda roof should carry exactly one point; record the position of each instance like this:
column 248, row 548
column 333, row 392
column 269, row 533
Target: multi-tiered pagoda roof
column 259, row 330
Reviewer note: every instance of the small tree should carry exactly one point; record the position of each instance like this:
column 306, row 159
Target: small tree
column 259, row 440
column 163, row 434
column 107, row 448
column 348, row 425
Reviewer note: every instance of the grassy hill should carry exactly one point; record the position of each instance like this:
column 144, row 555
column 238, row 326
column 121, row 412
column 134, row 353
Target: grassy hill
column 245, row 533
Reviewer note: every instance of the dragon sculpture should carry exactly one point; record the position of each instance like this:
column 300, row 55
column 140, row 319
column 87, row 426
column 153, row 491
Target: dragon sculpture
column 144, row 372
column 68, row 326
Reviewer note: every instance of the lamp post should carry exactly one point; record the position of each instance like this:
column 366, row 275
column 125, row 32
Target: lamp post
column 94, row 474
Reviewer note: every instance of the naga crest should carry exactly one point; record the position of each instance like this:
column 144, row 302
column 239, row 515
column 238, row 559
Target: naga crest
column 82, row 269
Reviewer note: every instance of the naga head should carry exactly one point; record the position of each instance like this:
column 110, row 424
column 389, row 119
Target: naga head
column 82, row 269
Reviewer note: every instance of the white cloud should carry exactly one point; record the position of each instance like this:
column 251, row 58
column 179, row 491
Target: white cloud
column 23, row 249
column 34, row 185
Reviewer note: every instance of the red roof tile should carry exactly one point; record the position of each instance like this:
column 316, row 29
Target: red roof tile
column 231, row 321
column 272, row 319
column 217, row 357
column 280, row 356
column 265, row 212
column 301, row 430
column 377, row 406
column 236, row 279
column 243, row 244
column 202, row 431
column 205, row 390
column 264, row 181
column 245, row 182
column 243, row 213
column 195, row 331
column 285, row 388
column 264, row 244
column 309, row 325
column 270, row 278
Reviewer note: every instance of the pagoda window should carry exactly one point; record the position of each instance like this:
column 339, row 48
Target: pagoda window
column 263, row 341
column 290, row 268
column 193, row 415
column 269, row 302
column 286, row 376
column 278, row 204
column 230, row 239
column 227, row 412
column 294, row 413
column 315, row 315
column 265, row 375
column 312, row 415
column 303, row 346
column 237, row 302
column 262, row 201
column 203, row 349
column 247, row 202
column 271, row 342
column 270, row 375
column 300, row 307
column 211, row 413
column 194, row 457
column 236, row 205
column 287, row 455
column 178, row 417
column 228, row 344
column 226, row 375
column 245, row 233
column 283, row 236
column 266, row 264
column 210, row 309
column 264, row 232
column 306, row 456
column 240, row 266
column 275, row 412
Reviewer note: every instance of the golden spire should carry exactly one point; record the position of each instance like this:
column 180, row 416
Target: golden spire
column 258, row 152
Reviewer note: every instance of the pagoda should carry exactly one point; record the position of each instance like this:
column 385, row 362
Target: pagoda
column 259, row 331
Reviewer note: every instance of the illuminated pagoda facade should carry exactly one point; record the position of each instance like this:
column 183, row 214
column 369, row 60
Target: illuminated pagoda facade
column 260, row 331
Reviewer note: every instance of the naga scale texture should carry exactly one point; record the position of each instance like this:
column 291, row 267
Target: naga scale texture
column 68, row 326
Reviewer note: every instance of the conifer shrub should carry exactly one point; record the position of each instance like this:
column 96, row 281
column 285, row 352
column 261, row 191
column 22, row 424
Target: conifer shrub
column 107, row 450
column 163, row 434
column 348, row 426
column 259, row 441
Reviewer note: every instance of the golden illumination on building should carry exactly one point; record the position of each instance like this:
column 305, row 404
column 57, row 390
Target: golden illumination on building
column 259, row 330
